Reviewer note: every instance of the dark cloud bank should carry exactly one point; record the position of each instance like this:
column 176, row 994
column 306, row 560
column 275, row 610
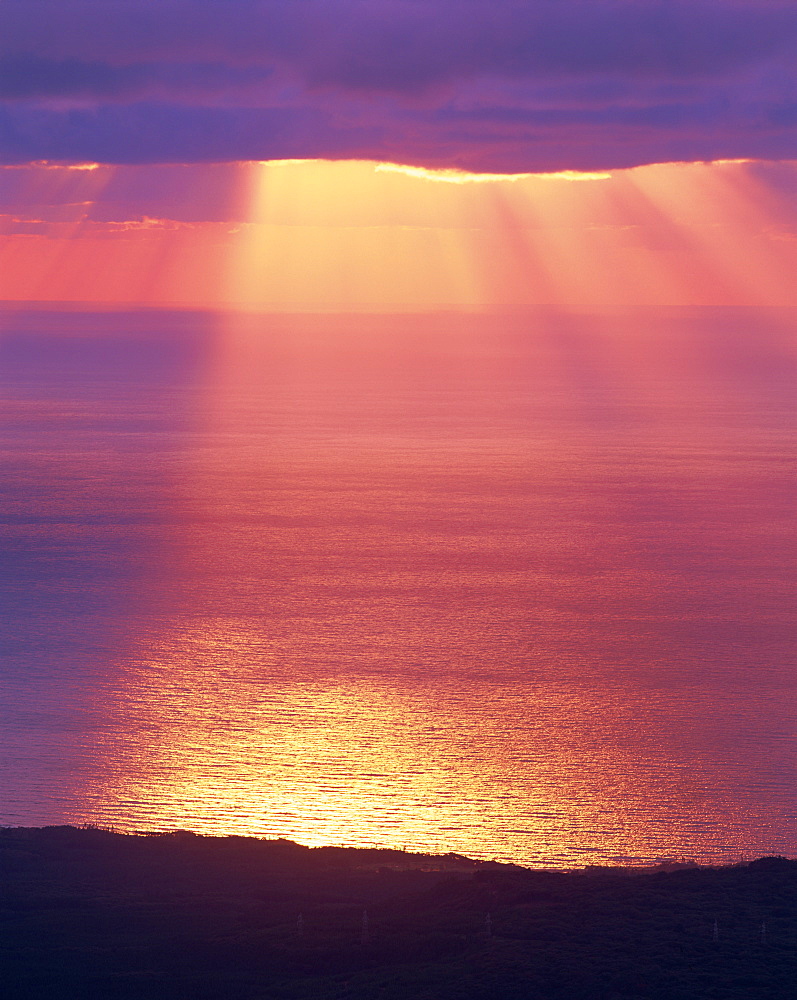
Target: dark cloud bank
column 488, row 85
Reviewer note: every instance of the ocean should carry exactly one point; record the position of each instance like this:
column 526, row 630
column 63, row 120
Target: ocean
column 517, row 585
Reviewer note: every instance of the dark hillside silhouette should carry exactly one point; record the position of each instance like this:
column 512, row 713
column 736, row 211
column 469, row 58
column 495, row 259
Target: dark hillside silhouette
column 92, row 915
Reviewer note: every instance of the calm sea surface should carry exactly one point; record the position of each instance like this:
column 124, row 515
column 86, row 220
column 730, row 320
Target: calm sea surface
column 516, row 586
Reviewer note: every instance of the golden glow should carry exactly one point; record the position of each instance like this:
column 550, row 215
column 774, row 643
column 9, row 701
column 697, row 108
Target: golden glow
column 51, row 165
column 81, row 166
column 448, row 176
column 336, row 236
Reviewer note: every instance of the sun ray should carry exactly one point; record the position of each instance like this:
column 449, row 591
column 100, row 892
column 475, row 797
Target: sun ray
column 310, row 235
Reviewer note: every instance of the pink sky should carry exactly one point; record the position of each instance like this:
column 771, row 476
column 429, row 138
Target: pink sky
column 336, row 236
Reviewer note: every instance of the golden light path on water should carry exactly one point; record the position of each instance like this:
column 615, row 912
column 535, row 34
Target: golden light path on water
column 359, row 766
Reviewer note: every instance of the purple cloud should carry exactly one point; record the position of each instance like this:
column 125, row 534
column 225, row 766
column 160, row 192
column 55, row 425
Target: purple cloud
column 479, row 84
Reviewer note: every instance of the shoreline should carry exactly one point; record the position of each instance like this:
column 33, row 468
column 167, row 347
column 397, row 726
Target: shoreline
column 632, row 865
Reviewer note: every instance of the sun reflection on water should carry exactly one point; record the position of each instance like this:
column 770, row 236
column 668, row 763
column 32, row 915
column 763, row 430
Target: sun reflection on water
column 212, row 738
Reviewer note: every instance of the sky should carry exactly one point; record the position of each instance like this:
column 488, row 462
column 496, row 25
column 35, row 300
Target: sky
column 501, row 86
column 352, row 235
column 238, row 153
